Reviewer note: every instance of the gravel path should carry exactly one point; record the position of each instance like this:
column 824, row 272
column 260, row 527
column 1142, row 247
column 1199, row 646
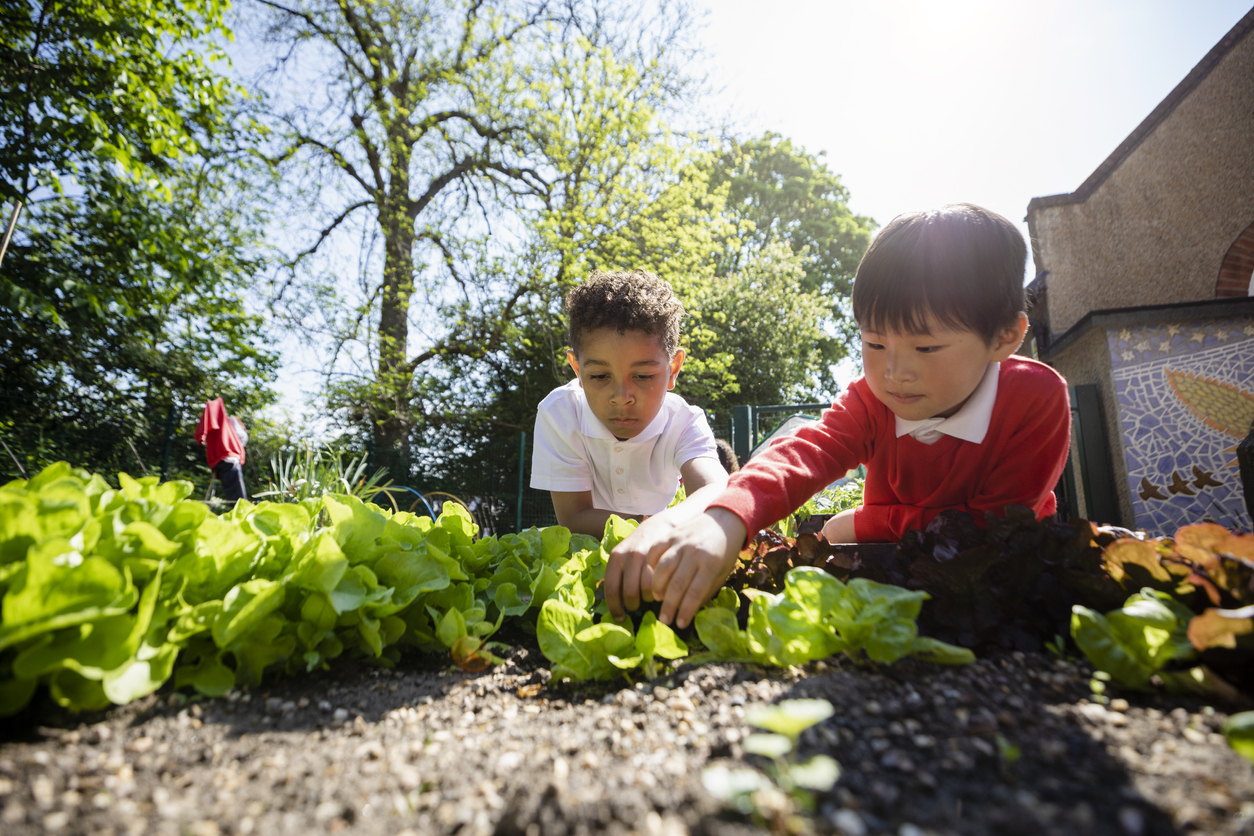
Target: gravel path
column 1009, row 745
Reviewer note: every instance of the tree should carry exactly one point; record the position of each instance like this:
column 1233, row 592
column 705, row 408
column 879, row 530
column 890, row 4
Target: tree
column 129, row 81
column 753, row 333
column 119, row 304
column 779, row 192
column 122, row 294
column 438, row 131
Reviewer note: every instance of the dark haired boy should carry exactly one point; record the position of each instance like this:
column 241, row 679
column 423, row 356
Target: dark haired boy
column 616, row 440
column 944, row 416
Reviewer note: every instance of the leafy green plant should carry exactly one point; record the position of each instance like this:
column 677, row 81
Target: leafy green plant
column 1239, row 730
column 824, row 504
column 1197, row 595
column 312, row 472
column 107, row 593
column 817, row 615
column 774, row 797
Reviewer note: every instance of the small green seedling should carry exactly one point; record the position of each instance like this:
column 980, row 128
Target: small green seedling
column 787, row 786
column 1239, row 729
column 1058, row 646
column 1098, row 686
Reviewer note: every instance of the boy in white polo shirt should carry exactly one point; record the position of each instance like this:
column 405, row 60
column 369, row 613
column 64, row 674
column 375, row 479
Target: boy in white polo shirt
column 616, row 440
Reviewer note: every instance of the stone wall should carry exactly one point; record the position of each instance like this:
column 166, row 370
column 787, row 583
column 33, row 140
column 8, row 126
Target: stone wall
column 1157, row 228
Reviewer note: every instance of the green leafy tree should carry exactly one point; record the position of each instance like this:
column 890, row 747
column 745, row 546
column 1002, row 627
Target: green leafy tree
column 753, row 335
column 415, row 125
column 779, row 192
column 452, row 138
column 130, row 81
column 118, row 304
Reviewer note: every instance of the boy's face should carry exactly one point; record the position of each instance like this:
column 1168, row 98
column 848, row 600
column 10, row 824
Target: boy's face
column 931, row 376
column 625, row 377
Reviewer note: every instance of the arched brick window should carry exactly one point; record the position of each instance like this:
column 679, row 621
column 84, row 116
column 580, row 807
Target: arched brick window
column 1236, row 274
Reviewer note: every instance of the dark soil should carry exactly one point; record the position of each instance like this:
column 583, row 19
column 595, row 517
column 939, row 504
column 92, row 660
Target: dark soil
column 1010, row 745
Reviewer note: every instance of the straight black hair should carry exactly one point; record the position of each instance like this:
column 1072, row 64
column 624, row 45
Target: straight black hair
column 962, row 264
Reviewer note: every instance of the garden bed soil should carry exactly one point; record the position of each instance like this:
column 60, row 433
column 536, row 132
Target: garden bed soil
column 1009, row 745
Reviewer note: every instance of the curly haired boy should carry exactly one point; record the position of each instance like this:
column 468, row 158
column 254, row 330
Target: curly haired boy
column 616, row 440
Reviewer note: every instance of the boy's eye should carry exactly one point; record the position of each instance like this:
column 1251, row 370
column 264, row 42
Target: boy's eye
column 599, row 377
column 871, row 345
column 928, row 349
column 645, row 376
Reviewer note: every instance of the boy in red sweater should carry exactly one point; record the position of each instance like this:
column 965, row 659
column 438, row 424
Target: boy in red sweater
column 944, row 417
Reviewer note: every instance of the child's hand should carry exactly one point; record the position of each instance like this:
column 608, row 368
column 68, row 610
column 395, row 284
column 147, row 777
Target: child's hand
column 687, row 556
column 839, row 529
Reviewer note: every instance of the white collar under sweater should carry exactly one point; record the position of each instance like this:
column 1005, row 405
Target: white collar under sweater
column 970, row 423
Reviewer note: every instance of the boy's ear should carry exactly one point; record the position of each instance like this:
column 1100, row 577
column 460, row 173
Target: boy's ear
column 1011, row 338
column 677, row 363
column 573, row 360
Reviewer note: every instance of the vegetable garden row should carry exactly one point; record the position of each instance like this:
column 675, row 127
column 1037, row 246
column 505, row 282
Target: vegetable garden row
column 108, row 593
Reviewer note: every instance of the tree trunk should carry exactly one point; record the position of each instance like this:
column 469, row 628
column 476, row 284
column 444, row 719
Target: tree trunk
column 392, row 420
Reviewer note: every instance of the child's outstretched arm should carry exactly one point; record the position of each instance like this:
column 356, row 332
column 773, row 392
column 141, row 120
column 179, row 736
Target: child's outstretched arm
column 685, row 552
column 628, row 575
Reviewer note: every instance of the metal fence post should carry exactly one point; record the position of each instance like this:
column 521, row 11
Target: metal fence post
column 522, row 469
column 742, row 431
column 169, row 443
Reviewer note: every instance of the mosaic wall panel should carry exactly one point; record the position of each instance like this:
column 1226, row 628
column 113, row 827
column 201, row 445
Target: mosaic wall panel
column 1186, row 398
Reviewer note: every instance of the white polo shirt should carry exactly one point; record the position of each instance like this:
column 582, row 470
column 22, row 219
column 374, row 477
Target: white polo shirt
column 574, row 452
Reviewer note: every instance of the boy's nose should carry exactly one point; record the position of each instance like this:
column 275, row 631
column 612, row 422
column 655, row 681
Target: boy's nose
column 898, row 369
column 623, row 394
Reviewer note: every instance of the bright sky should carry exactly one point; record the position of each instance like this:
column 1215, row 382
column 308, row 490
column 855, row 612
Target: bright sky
column 918, row 103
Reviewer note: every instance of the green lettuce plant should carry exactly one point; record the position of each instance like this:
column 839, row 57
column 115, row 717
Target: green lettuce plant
column 786, row 787
column 108, row 593
column 817, row 615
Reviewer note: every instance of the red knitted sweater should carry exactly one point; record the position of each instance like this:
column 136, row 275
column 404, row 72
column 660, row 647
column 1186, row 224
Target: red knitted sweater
column 909, row 482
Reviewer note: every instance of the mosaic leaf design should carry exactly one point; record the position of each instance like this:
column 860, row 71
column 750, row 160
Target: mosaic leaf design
column 1221, row 406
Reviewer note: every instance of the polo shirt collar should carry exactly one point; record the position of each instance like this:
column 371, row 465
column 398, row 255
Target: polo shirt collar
column 970, row 423
column 592, row 427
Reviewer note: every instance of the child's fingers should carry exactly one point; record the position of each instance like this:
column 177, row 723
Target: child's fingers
column 707, row 579
column 646, row 582
column 676, row 586
column 663, row 569
column 613, row 585
column 631, row 579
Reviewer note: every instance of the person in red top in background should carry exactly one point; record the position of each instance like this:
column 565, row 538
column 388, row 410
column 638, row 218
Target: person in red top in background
column 224, row 439
column 944, row 417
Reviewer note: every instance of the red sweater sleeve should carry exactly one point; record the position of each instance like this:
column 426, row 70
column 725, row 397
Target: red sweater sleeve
column 1018, row 463
column 781, row 478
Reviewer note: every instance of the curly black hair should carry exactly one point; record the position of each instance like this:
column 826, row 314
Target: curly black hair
column 633, row 300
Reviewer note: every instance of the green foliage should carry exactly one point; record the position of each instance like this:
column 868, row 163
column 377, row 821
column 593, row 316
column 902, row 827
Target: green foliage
column 127, row 81
column 107, row 593
column 1196, row 596
column 817, row 615
column 298, row 475
column 1136, row 641
column 117, row 305
column 753, row 334
column 1239, row 729
column 779, row 193
column 825, row 503
column 775, row 796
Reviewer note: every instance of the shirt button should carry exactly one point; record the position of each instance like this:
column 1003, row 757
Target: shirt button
column 620, row 490
column 618, row 449
column 618, row 470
